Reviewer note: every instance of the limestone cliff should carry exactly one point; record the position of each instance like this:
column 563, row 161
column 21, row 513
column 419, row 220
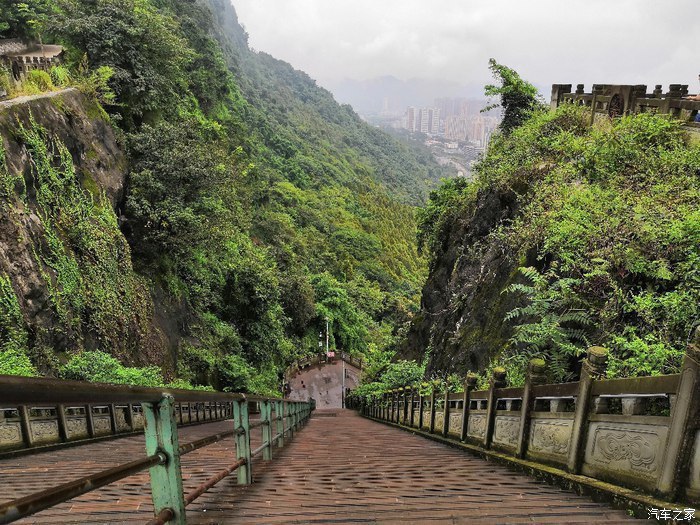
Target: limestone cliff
column 61, row 250
column 460, row 323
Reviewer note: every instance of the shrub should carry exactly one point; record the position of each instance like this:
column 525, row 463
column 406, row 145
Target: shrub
column 60, row 76
column 40, row 79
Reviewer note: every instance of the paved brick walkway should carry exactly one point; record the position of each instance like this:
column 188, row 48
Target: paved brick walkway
column 340, row 468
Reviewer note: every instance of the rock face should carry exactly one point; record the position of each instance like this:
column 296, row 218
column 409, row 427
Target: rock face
column 89, row 138
column 462, row 308
column 107, row 306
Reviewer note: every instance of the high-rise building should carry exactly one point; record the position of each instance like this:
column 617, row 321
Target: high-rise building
column 411, row 119
column 456, row 128
column 424, row 120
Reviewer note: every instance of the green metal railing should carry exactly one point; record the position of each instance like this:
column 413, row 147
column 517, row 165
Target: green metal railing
column 279, row 418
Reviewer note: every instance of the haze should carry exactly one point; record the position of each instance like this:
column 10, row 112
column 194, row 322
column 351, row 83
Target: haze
column 450, row 42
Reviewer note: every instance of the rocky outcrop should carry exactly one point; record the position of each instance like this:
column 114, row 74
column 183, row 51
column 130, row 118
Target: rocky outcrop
column 60, row 246
column 460, row 322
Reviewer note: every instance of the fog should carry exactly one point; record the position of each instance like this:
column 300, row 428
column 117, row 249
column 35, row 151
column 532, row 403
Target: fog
column 450, row 42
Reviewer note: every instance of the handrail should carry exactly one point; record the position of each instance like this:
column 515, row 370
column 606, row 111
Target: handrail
column 641, row 433
column 162, row 449
column 37, row 390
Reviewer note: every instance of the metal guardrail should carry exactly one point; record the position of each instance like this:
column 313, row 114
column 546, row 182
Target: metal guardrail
column 641, row 433
column 163, row 451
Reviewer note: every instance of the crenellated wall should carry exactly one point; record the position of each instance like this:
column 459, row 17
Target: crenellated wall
column 610, row 100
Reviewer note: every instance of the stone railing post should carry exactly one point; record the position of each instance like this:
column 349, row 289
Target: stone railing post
column 405, row 405
column 411, row 419
column 469, row 385
column 685, row 423
column 535, row 376
column 421, row 405
column 593, row 368
column 433, row 388
column 498, row 380
column 446, row 411
column 394, row 406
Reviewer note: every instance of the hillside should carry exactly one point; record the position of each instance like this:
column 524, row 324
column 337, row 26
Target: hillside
column 571, row 235
column 249, row 206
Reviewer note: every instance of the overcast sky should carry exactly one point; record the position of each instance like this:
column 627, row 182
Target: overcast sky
column 546, row 41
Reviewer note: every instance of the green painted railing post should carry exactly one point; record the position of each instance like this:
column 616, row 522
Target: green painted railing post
column 161, row 437
column 241, row 424
column 279, row 417
column 266, row 417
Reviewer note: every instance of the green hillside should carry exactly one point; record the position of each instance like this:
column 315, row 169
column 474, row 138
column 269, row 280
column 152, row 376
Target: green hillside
column 255, row 205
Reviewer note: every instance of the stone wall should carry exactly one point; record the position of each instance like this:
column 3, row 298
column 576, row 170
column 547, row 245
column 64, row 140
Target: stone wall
column 324, row 383
column 616, row 99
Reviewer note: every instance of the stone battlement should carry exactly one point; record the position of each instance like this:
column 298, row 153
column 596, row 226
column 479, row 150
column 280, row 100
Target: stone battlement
column 20, row 57
column 614, row 100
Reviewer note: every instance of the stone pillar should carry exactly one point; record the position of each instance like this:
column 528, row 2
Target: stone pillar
column 557, row 91
column 497, row 381
column 413, row 398
column 536, row 376
column 685, row 423
column 469, row 385
column 433, row 397
column 420, row 406
column 593, row 368
column 446, row 411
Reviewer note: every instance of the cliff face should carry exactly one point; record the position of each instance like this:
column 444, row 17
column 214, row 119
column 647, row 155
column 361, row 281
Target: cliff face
column 67, row 263
column 460, row 323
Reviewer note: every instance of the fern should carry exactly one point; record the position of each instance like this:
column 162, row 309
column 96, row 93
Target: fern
column 552, row 324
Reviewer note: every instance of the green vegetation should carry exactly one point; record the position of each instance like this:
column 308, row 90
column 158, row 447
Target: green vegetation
column 519, row 98
column 256, row 208
column 608, row 230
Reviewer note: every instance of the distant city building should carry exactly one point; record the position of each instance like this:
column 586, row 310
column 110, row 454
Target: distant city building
column 425, row 120
column 411, row 119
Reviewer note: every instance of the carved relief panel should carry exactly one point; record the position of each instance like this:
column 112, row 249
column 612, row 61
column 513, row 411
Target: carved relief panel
column 550, row 436
column 476, row 426
column 45, row 431
column 626, row 448
column 10, row 434
column 455, row 423
column 506, row 430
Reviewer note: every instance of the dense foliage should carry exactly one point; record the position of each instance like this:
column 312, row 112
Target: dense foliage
column 256, row 206
column 609, row 230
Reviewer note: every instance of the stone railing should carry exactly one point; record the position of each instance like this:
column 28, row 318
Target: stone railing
column 640, row 433
column 32, row 427
column 616, row 100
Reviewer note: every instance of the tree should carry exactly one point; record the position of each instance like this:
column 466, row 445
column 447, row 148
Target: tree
column 26, row 19
column 519, row 98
